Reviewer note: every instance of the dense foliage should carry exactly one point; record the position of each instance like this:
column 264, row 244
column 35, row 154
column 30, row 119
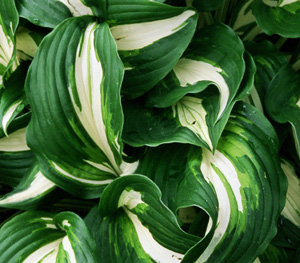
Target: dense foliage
column 150, row 131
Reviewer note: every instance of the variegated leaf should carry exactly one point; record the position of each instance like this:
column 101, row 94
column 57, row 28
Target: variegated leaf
column 18, row 169
column 9, row 20
column 197, row 96
column 278, row 17
column 33, row 189
column 27, row 42
column 15, row 156
column 149, row 41
column 291, row 209
column 243, row 173
column 79, row 109
column 12, row 97
column 49, row 13
column 284, row 91
column 36, row 237
column 132, row 207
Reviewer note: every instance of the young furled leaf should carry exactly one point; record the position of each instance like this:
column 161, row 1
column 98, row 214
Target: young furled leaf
column 78, row 110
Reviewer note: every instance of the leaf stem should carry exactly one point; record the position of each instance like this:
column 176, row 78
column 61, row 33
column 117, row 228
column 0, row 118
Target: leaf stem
column 221, row 12
column 252, row 33
column 189, row 3
column 296, row 65
column 280, row 42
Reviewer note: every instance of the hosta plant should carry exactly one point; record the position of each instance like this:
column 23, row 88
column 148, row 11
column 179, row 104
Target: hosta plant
column 150, row 131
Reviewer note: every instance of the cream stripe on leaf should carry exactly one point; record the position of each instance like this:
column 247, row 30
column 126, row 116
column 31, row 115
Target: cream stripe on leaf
column 244, row 179
column 291, row 209
column 15, row 155
column 281, row 17
column 240, row 186
column 84, row 99
column 132, row 205
column 12, row 98
column 32, row 190
column 289, row 110
column 35, row 237
column 15, row 142
column 150, row 37
column 9, row 20
column 193, row 102
column 49, row 13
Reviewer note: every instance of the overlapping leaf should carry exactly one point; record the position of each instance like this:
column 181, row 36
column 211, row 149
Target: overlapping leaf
column 278, row 17
column 49, row 13
column 33, row 189
column 149, row 42
column 197, row 95
column 15, row 156
column 284, row 91
column 35, row 237
column 78, row 110
column 20, row 170
column 137, row 225
column 12, row 98
column 241, row 188
column 268, row 61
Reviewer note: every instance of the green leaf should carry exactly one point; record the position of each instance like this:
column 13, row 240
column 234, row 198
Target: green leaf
column 37, row 237
column 132, row 205
column 278, row 17
column 197, row 118
column 33, row 189
column 214, row 57
column 286, row 83
column 268, row 60
column 15, row 156
column 9, row 20
column 49, row 13
column 273, row 254
column 12, row 97
column 122, row 12
column 80, row 111
column 288, row 235
column 243, row 177
column 150, row 37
